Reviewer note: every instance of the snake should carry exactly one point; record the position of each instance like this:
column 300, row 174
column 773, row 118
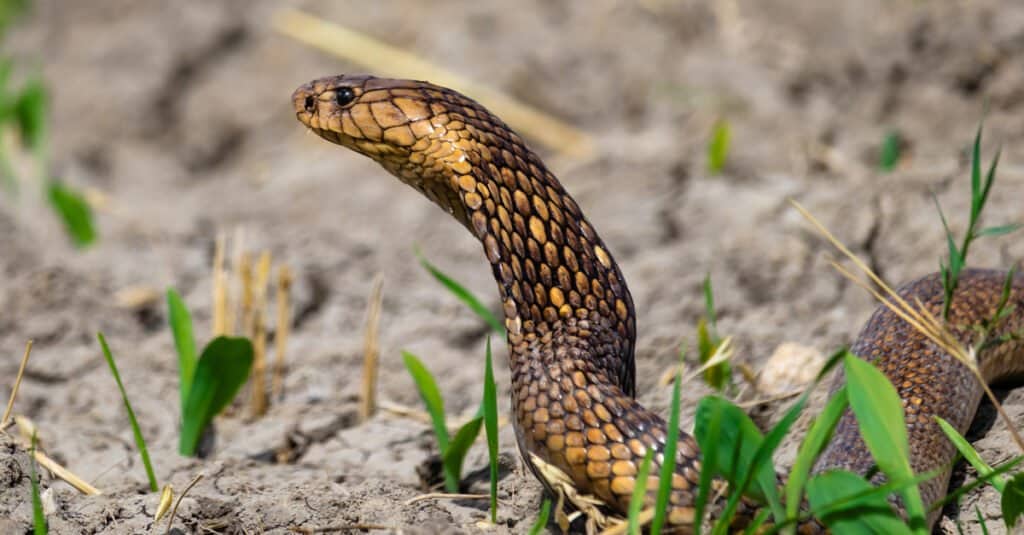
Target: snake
column 570, row 320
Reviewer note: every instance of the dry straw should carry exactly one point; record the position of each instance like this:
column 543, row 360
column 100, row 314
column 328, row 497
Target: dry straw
column 916, row 315
column 371, row 351
column 393, row 61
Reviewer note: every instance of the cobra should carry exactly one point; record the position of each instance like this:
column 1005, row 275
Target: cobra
column 569, row 315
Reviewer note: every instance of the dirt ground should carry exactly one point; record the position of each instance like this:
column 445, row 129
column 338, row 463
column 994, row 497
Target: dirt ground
column 178, row 114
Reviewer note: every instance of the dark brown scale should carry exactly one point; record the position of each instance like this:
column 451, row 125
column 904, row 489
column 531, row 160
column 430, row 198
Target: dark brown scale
column 570, row 318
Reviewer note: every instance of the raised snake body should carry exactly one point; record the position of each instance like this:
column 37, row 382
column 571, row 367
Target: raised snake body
column 569, row 315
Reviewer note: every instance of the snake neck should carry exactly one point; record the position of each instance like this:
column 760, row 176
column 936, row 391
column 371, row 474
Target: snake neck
column 562, row 294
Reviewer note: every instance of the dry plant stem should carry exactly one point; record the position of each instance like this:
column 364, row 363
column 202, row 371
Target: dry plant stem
column 371, row 351
column 257, row 331
column 422, row 416
column 917, row 316
column 174, row 511
column 244, row 269
column 17, row 384
column 220, row 294
column 643, row 519
column 166, row 497
column 369, row 52
column 446, row 496
column 346, row 527
column 237, row 287
column 284, row 323
column 26, row 428
column 59, row 471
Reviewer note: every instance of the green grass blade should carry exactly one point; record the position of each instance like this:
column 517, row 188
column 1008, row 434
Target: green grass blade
column 981, row 520
column 709, row 306
column 491, row 424
column 718, row 146
column 762, row 460
column 969, row 453
column 889, row 156
column 431, row 395
column 74, row 212
column 999, row 230
column 982, row 480
column 976, row 175
column 39, row 524
column 668, row 468
column 814, row 443
column 755, row 527
column 990, row 178
column 30, row 110
column 140, row 442
column 222, row 369
column 736, row 447
column 879, row 414
column 869, row 514
column 636, row 502
column 542, row 518
column 1012, row 502
column 464, row 295
column 708, row 438
column 184, row 341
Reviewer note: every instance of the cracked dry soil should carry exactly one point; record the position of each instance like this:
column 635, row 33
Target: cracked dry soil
column 178, row 113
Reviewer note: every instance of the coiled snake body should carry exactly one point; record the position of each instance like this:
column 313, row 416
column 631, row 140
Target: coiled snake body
column 569, row 315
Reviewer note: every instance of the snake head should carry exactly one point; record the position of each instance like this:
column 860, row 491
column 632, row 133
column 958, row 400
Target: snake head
column 428, row 136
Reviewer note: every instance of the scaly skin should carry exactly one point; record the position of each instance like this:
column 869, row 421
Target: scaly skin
column 569, row 315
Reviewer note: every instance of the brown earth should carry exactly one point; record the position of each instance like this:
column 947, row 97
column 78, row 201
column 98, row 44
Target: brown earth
column 178, row 113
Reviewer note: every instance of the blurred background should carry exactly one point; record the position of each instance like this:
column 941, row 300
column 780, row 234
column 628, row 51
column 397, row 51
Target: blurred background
column 681, row 128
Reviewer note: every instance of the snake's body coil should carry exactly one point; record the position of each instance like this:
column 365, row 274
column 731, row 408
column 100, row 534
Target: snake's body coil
column 569, row 315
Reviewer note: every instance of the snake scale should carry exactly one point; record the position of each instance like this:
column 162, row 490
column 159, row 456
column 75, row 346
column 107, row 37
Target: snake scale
column 569, row 316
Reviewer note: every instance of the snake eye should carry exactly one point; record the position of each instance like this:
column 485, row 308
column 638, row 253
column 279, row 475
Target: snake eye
column 344, row 96
column 310, row 103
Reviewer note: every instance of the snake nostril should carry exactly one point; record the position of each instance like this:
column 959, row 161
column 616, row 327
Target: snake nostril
column 310, row 103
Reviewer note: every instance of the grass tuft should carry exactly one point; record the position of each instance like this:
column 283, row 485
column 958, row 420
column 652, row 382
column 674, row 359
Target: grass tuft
column 980, row 189
column 718, row 146
column 889, row 155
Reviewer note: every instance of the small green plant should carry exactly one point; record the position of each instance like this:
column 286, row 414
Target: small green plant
column 140, row 442
column 453, row 451
column 845, row 502
column 39, row 525
column 490, row 410
column 717, row 376
column 718, row 146
column 1011, row 490
column 208, row 384
column 542, row 518
column 463, row 295
column 889, row 155
column 26, row 110
column 222, row 369
column 952, row 267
